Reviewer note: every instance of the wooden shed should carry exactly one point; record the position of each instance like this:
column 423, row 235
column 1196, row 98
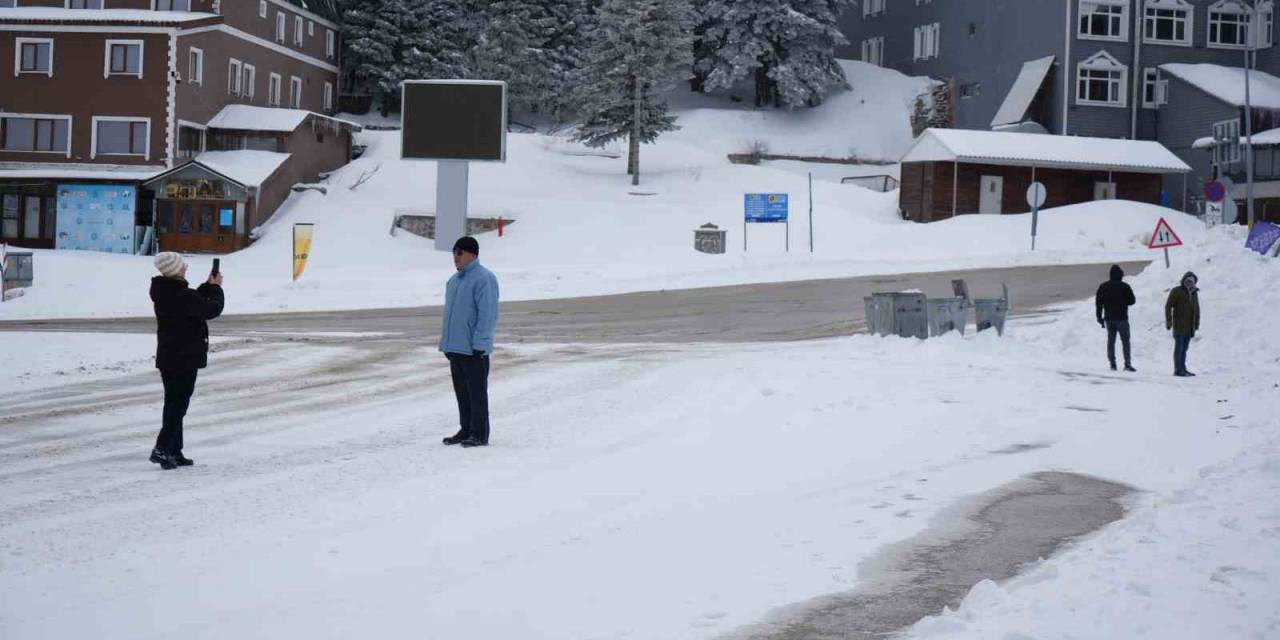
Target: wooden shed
column 949, row 172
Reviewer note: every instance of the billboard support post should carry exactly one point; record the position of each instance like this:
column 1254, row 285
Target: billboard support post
column 452, row 177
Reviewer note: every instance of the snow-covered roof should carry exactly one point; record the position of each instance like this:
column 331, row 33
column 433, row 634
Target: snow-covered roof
column 1227, row 83
column 76, row 171
column 115, row 16
column 248, row 167
column 1018, row 100
column 1268, row 138
column 249, row 118
column 1029, row 149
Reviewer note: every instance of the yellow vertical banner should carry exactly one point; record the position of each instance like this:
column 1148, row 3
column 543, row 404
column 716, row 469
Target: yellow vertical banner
column 302, row 232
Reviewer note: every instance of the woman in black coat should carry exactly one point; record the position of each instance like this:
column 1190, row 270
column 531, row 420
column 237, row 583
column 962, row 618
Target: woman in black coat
column 182, row 347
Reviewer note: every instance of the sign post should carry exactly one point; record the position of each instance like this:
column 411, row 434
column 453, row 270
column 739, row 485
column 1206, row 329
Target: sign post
column 1214, row 193
column 453, row 122
column 1036, row 194
column 810, row 213
column 766, row 208
column 1163, row 238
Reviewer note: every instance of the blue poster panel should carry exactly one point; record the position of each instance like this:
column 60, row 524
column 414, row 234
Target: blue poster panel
column 96, row 217
column 765, row 207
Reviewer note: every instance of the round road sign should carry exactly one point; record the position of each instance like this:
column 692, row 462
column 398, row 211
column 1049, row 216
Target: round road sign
column 1036, row 194
column 1215, row 191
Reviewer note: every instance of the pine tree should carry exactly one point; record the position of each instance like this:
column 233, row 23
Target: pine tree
column 372, row 37
column 535, row 46
column 788, row 46
column 638, row 48
column 438, row 38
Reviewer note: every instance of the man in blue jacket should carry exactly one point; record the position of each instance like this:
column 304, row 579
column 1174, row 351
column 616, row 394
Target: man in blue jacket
column 470, row 316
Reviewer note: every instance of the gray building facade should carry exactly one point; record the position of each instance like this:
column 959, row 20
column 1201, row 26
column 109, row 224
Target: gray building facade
column 1104, row 79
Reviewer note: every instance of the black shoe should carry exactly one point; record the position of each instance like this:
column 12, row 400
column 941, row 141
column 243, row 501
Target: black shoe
column 456, row 438
column 1113, row 366
column 1130, row 369
column 181, row 461
column 1188, row 374
column 163, row 459
column 473, row 442
column 1181, row 374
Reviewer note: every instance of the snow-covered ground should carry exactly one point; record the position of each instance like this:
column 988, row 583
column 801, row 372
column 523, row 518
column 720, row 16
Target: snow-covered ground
column 582, row 229
column 647, row 491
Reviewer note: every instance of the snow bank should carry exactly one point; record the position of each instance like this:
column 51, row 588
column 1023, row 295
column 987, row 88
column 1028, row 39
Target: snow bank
column 1193, row 559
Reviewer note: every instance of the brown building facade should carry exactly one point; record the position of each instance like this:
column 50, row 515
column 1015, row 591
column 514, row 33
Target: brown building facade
column 115, row 94
column 951, row 172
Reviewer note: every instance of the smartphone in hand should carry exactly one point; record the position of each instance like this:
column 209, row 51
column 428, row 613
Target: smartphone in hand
column 217, row 266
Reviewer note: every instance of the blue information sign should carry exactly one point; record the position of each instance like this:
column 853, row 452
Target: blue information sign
column 96, row 217
column 765, row 207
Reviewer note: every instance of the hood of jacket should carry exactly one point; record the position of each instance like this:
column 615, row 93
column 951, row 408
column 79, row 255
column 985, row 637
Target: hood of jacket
column 1117, row 273
column 163, row 286
column 1194, row 278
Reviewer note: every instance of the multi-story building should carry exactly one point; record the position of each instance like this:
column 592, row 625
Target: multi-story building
column 106, row 96
column 1100, row 68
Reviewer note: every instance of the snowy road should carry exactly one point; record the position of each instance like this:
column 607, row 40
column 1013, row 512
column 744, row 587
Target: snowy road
column 747, row 313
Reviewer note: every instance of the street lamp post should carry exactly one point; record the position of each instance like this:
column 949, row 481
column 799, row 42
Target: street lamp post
column 1251, row 47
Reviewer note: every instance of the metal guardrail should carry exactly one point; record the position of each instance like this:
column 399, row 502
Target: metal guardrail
column 881, row 183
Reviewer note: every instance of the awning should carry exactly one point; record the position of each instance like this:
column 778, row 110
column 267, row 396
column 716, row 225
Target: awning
column 1023, row 91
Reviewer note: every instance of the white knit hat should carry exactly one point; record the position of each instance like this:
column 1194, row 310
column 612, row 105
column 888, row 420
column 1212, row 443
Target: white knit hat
column 169, row 264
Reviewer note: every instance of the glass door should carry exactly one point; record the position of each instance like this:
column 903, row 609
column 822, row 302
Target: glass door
column 31, row 218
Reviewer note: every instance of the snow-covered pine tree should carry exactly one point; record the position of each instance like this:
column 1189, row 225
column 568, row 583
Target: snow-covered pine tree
column 535, row 46
column 372, row 38
column 788, row 46
column 638, row 49
column 439, row 36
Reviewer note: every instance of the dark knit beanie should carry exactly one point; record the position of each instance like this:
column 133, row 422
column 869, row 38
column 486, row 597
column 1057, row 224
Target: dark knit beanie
column 468, row 244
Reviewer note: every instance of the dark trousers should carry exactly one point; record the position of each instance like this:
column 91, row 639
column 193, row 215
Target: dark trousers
column 178, row 387
column 1117, row 328
column 1180, row 346
column 471, row 385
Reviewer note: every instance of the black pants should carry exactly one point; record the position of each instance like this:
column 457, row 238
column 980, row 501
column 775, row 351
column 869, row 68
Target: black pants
column 471, row 385
column 178, row 387
column 1180, row 346
column 1114, row 328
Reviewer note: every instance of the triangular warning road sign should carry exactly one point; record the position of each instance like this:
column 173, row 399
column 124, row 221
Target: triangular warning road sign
column 1164, row 236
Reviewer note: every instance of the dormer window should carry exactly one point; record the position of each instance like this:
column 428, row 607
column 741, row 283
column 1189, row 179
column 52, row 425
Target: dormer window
column 1101, row 81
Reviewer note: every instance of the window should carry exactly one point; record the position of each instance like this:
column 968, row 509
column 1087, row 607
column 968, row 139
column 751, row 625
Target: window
column 1100, row 81
column 971, row 90
column 873, row 51
column 311, row 28
column 330, row 47
column 190, row 141
column 297, row 30
column 40, row 134
column 295, row 92
column 173, row 5
column 195, row 66
column 1228, row 25
column 124, row 58
column 328, row 96
column 83, row 4
column 33, row 55
column 927, row 41
column 279, row 27
column 262, row 8
column 121, row 136
column 250, row 79
column 8, row 4
column 233, row 77
column 1167, row 22
column 1104, row 20
column 1266, row 24
column 273, row 90
column 872, row 7
column 1150, row 80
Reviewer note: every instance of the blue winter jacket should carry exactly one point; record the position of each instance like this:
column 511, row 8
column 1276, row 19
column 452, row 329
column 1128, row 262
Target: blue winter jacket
column 470, row 311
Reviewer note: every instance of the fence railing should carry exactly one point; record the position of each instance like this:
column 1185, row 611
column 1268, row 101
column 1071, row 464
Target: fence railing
column 881, row 183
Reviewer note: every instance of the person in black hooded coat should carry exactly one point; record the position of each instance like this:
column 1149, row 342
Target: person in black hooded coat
column 182, row 347
column 1112, row 306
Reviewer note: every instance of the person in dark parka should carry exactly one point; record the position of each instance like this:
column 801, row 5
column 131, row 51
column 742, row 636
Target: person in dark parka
column 182, row 347
column 1182, row 316
column 1112, row 304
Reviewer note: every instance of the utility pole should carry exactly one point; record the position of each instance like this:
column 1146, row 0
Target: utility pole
column 1251, row 47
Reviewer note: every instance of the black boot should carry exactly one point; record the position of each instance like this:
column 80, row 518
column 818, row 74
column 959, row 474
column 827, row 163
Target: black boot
column 456, row 438
column 163, row 459
column 1130, row 369
column 1113, row 366
column 473, row 442
column 181, row 461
